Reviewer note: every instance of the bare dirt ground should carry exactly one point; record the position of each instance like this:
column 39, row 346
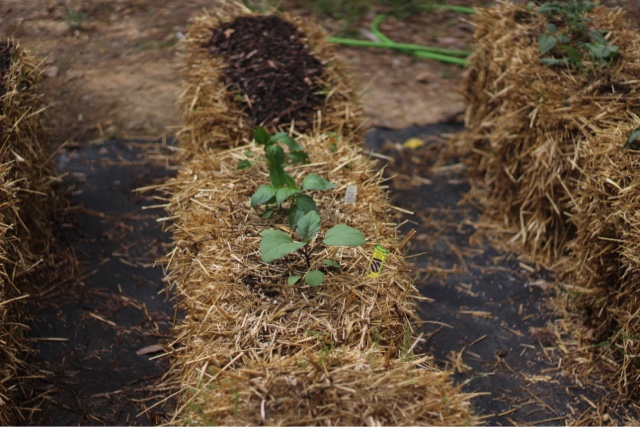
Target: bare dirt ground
column 113, row 65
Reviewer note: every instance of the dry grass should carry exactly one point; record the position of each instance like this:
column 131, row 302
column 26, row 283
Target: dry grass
column 546, row 149
column 211, row 117
column 25, row 202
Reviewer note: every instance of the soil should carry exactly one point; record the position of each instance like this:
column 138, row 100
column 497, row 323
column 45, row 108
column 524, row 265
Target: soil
column 112, row 80
column 269, row 64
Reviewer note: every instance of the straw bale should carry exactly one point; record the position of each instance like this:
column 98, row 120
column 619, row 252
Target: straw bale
column 337, row 387
column 239, row 310
column 25, row 203
column 547, row 150
column 525, row 123
column 211, row 117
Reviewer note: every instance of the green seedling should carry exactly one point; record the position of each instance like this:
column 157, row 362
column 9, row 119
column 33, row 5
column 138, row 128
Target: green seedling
column 276, row 155
column 283, row 187
column 277, row 244
column 578, row 41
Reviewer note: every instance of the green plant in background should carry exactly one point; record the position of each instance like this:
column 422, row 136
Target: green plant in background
column 74, row 19
column 578, row 41
column 277, row 244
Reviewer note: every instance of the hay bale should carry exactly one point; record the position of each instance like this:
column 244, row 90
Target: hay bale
column 214, row 116
column 25, row 204
column 240, row 309
column 339, row 387
column 547, row 150
column 525, row 123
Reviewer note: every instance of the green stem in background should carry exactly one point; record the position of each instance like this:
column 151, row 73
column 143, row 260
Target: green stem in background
column 440, row 54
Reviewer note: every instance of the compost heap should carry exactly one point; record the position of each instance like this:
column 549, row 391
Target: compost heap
column 25, row 205
column 239, row 74
column 252, row 349
column 555, row 164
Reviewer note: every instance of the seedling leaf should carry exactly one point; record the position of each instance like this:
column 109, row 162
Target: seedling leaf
column 244, row 164
column 263, row 195
column 314, row 278
column 632, row 138
column 308, row 226
column 275, row 154
column 314, row 181
column 343, row 235
column 287, row 140
column 298, row 157
column 276, row 244
column 261, row 136
column 283, row 194
column 300, row 206
column 292, row 280
column 546, row 42
column 279, row 178
column 331, row 263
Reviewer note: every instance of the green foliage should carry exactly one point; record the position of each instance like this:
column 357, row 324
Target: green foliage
column 303, row 215
column 74, row 20
column 283, row 186
column 632, row 142
column 350, row 13
column 277, row 244
column 578, row 42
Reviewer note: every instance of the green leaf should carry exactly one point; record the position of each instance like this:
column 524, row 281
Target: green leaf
column 343, row 235
column 283, row 194
column 554, row 61
column 316, row 182
column 314, row 278
column 331, row 263
column 546, row 42
column 597, row 36
column 300, row 206
column 244, row 164
column 572, row 53
column 292, row 280
column 249, row 153
column 267, row 213
column 298, row 157
column 275, row 154
column 276, row 244
column 287, row 140
column 551, row 28
column 261, row 136
column 279, row 178
column 602, row 51
column 632, row 138
column 263, row 195
column 308, row 226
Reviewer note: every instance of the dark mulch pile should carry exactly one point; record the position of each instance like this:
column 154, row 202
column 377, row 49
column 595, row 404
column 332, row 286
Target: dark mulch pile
column 269, row 65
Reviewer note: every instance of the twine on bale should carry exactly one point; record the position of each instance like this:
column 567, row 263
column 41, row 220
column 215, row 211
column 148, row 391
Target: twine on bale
column 25, row 205
column 547, row 150
column 214, row 118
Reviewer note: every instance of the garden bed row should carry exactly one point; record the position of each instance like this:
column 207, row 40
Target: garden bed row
column 551, row 144
column 263, row 341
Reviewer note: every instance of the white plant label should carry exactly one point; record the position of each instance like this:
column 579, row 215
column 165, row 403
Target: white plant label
column 350, row 196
